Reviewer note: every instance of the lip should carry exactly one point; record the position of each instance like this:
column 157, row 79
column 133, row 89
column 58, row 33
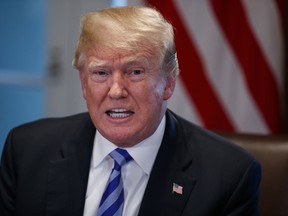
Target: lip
column 119, row 113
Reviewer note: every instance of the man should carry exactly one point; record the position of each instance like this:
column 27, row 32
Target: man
column 128, row 66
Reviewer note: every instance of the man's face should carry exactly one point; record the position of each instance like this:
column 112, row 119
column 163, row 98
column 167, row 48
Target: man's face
column 126, row 95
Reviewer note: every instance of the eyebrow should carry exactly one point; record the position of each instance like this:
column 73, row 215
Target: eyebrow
column 128, row 61
column 135, row 60
column 98, row 63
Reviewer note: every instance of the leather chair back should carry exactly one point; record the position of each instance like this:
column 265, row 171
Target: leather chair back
column 272, row 152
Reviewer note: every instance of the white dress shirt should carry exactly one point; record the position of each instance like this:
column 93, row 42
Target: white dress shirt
column 135, row 174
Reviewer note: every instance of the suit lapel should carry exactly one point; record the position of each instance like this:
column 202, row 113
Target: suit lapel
column 68, row 176
column 171, row 166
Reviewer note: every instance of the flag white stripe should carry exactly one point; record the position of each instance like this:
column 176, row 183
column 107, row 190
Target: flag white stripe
column 266, row 25
column 230, row 87
column 181, row 103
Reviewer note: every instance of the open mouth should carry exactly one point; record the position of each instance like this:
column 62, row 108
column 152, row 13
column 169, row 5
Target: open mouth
column 119, row 113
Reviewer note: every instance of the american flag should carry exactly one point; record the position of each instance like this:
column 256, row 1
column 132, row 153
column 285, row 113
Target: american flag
column 231, row 60
column 177, row 189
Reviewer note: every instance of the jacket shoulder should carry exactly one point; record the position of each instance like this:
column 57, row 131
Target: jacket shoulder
column 53, row 122
column 51, row 127
column 48, row 133
column 207, row 144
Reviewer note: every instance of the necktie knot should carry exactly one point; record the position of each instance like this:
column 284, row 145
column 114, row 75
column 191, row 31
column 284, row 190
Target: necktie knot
column 120, row 156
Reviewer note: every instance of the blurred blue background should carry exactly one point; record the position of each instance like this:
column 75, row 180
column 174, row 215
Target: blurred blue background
column 37, row 48
column 22, row 62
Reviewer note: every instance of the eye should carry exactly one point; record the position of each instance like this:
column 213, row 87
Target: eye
column 136, row 74
column 99, row 75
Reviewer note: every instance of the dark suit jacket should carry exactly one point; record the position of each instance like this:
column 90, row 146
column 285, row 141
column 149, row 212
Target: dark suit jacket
column 45, row 166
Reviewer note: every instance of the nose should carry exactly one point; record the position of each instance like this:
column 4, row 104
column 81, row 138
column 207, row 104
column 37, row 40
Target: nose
column 118, row 86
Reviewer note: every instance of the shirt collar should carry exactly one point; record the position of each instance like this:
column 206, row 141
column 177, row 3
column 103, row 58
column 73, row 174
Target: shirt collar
column 141, row 152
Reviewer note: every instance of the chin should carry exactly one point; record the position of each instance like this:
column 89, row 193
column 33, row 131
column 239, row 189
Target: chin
column 121, row 139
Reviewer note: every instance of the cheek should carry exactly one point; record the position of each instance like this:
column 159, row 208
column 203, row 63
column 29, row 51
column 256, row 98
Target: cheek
column 158, row 89
column 149, row 92
column 93, row 93
column 83, row 84
column 151, row 97
column 89, row 88
column 88, row 92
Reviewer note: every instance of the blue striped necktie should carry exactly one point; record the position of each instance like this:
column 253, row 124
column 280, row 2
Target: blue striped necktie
column 112, row 201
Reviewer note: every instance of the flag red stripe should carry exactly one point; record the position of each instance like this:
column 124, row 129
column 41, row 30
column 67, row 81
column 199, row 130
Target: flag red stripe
column 193, row 75
column 281, row 8
column 261, row 83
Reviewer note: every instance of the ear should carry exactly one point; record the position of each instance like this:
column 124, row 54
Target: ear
column 169, row 88
column 83, row 79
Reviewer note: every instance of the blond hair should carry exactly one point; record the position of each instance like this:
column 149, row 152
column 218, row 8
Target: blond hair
column 131, row 29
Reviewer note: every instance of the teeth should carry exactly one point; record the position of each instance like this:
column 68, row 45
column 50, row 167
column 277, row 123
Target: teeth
column 119, row 113
column 119, row 110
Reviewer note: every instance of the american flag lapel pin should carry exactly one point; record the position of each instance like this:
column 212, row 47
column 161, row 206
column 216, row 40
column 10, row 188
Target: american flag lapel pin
column 177, row 189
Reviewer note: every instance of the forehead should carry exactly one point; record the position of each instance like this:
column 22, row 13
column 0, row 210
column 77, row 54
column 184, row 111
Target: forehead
column 108, row 58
